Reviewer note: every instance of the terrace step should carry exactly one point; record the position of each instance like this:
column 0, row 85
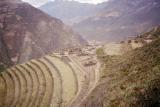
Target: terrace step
column 49, row 83
column 10, row 89
column 17, row 87
column 3, row 90
column 85, row 83
column 39, row 94
column 23, row 83
column 77, row 73
column 29, row 84
column 57, row 96
column 35, row 84
column 68, row 78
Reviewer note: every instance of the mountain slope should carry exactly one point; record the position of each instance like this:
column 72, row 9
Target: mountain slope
column 114, row 20
column 120, row 19
column 130, row 80
column 29, row 33
column 69, row 11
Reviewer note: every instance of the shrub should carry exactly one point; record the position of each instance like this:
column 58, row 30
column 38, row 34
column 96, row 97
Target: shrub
column 100, row 53
column 2, row 67
column 151, row 97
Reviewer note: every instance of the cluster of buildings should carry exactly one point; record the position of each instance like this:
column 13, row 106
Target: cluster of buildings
column 85, row 54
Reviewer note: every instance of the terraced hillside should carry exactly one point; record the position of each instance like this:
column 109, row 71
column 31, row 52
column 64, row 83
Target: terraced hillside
column 51, row 81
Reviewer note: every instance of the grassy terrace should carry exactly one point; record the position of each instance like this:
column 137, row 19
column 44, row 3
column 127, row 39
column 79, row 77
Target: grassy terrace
column 51, row 81
column 17, row 84
column 81, row 80
column 69, row 80
column 41, row 89
column 3, row 90
column 9, row 88
column 58, row 88
column 35, row 82
column 28, row 85
column 23, row 83
column 66, row 60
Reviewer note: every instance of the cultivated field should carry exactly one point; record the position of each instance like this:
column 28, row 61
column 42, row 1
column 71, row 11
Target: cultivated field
column 51, row 81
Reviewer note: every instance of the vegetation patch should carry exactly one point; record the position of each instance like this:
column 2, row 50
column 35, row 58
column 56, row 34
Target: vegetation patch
column 129, row 80
column 153, row 34
column 2, row 67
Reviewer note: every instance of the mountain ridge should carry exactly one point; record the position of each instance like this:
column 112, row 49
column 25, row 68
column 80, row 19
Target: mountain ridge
column 113, row 20
column 120, row 19
column 31, row 33
column 69, row 11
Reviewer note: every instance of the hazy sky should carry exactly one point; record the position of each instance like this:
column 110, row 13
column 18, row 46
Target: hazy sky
column 41, row 2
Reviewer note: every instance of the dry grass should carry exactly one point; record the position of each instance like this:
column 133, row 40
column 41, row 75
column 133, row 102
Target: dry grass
column 126, row 80
column 69, row 80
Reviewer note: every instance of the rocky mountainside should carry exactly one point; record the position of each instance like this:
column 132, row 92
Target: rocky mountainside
column 108, row 21
column 120, row 19
column 27, row 32
column 69, row 11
